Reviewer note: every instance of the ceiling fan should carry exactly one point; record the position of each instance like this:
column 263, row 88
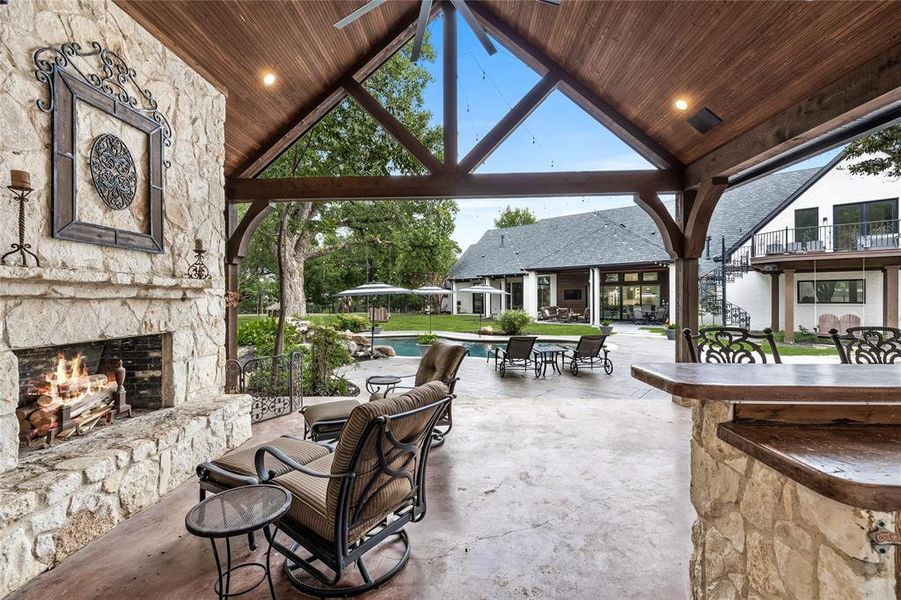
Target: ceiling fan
column 424, row 10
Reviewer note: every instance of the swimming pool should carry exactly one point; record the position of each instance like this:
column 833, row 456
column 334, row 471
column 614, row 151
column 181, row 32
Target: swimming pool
column 406, row 346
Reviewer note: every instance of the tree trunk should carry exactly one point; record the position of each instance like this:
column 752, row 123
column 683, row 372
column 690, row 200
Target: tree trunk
column 283, row 261
column 292, row 278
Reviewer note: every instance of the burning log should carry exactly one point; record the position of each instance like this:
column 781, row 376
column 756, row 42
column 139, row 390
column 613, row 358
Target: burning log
column 80, row 385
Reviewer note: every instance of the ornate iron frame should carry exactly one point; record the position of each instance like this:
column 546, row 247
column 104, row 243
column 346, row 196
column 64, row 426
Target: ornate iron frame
column 260, row 377
column 338, row 553
column 110, row 91
column 729, row 345
column 868, row 345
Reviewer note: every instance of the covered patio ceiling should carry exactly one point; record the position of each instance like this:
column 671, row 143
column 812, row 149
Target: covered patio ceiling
column 764, row 68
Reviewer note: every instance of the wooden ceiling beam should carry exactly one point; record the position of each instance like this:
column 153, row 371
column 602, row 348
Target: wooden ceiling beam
column 395, row 128
column 508, row 124
column 670, row 233
column 449, row 63
column 696, row 214
column 873, row 86
column 453, row 185
column 590, row 102
column 310, row 114
column 239, row 240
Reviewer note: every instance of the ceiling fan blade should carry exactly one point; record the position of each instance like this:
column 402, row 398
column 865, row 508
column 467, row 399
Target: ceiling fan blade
column 473, row 23
column 424, row 10
column 372, row 4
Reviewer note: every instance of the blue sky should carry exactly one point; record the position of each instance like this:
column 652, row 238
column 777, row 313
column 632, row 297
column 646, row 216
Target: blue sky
column 558, row 136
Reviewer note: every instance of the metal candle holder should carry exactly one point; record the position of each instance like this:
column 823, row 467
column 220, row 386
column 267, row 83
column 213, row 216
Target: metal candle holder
column 20, row 186
column 198, row 270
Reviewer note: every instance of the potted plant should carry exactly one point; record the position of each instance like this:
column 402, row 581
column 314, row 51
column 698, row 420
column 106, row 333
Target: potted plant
column 606, row 327
column 424, row 341
column 671, row 331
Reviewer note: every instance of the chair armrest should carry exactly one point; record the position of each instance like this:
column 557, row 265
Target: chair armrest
column 204, row 470
column 260, row 464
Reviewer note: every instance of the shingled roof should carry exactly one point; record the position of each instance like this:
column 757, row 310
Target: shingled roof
column 618, row 236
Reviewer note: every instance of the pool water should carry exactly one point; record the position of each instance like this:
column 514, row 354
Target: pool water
column 406, row 346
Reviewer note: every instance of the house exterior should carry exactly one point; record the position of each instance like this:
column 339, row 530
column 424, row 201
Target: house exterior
column 800, row 246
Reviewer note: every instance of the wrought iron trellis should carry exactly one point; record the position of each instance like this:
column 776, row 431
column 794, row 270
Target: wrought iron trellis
column 274, row 382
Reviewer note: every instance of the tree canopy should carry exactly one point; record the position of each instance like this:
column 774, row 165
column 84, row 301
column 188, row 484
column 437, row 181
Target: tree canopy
column 882, row 151
column 513, row 217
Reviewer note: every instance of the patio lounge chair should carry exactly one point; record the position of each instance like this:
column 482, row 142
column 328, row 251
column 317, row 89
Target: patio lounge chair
column 349, row 502
column 518, row 354
column 868, row 345
column 441, row 362
column 826, row 322
column 587, row 355
column 729, row 345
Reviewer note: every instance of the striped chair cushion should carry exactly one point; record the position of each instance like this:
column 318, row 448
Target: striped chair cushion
column 242, row 461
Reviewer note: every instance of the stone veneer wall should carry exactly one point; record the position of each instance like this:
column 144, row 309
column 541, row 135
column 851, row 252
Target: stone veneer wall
column 85, row 292
column 761, row 536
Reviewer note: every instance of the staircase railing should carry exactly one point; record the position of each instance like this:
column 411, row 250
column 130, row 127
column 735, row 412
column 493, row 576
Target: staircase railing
column 711, row 290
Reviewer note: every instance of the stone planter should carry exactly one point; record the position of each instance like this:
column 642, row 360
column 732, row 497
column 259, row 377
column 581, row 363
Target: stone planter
column 671, row 334
column 423, row 348
column 606, row 329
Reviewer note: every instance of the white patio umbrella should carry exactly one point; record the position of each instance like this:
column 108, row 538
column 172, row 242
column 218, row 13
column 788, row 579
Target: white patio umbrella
column 375, row 288
column 431, row 290
column 488, row 291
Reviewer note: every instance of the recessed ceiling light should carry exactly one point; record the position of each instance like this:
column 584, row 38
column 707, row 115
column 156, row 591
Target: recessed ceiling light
column 268, row 79
column 681, row 104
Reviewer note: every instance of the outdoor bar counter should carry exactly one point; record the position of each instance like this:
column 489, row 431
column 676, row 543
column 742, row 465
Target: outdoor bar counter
column 793, row 466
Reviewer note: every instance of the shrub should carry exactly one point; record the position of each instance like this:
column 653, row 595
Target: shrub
column 514, row 322
column 804, row 336
column 606, row 323
column 427, row 338
column 351, row 322
column 328, row 351
column 260, row 333
column 672, row 326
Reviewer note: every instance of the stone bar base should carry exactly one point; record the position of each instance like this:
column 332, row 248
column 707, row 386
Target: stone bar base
column 761, row 536
column 59, row 500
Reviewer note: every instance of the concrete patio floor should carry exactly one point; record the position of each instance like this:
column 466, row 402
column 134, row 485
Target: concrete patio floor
column 564, row 487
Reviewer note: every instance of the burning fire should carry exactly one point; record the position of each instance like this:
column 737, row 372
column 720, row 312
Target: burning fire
column 70, row 381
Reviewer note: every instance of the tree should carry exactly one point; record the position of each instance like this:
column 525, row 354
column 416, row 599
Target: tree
column 514, row 217
column 882, row 151
column 317, row 248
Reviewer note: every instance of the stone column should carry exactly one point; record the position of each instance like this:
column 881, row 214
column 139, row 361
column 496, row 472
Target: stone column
column 453, row 297
column 530, row 293
column 789, row 295
column 890, row 296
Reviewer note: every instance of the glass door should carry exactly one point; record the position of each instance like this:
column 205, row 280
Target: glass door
column 611, row 302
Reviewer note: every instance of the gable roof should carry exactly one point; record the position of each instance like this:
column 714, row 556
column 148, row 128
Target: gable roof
column 620, row 236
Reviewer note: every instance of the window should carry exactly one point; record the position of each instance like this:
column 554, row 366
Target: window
column 650, row 276
column 544, row 291
column 630, row 277
column 572, row 294
column 514, row 288
column 832, row 291
column 806, row 224
column 611, row 277
column 863, row 224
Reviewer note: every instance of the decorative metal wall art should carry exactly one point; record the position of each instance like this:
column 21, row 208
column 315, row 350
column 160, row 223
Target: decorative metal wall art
column 113, row 171
column 101, row 79
column 20, row 186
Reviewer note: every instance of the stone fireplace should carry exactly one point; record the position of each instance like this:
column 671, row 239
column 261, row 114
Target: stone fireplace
column 107, row 304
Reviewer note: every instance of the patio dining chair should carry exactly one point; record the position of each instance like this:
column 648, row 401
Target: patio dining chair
column 730, row 345
column 350, row 502
column 441, row 362
column 587, row 355
column 519, row 354
column 868, row 345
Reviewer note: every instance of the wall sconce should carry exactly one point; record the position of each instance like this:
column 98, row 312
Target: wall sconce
column 198, row 269
column 20, row 186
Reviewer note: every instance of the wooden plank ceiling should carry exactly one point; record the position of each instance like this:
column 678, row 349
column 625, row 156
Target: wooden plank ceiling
column 746, row 61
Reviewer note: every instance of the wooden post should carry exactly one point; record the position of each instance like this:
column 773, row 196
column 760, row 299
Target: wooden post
column 890, row 296
column 686, row 299
column 450, row 85
column 231, row 309
column 789, row 305
column 774, row 301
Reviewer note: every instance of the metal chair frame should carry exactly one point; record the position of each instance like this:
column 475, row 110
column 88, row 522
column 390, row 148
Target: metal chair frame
column 868, row 345
column 530, row 359
column 337, row 554
column 587, row 355
column 730, row 345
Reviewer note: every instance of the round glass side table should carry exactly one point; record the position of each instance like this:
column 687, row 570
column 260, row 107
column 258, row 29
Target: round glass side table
column 237, row 512
column 382, row 383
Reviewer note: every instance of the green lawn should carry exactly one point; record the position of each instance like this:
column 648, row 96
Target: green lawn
column 784, row 349
column 452, row 323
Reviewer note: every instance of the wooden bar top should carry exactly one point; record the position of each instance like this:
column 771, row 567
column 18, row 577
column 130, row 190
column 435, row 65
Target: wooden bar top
column 858, row 465
column 774, row 383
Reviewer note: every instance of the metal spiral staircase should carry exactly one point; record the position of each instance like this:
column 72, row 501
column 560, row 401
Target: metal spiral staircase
column 712, row 286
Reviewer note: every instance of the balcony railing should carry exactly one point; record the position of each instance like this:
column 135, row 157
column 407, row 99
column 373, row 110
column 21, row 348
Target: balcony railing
column 852, row 237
